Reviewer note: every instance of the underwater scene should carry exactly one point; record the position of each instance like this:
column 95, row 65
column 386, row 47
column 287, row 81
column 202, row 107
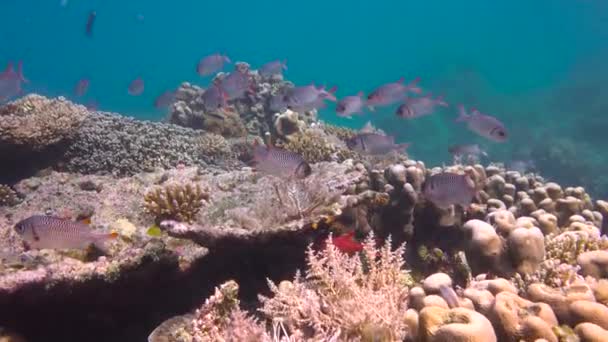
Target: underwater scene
column 303, row 171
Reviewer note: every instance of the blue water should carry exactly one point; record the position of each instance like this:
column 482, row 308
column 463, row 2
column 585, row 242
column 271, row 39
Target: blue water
column 512, row 59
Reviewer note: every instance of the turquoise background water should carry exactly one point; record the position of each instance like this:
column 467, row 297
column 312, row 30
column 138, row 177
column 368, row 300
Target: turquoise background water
column 540, row 66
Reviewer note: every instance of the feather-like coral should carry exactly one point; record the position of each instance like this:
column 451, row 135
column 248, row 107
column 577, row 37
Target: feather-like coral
column 345, row 296
column 175, row 201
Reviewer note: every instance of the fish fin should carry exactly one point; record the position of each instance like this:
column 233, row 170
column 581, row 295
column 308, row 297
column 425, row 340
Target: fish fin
column 413, row 86
column 402, row 146
column 401, row 80
column 371, row 108
column 284, row 64
column 462, row 114
column 226, row 59
column 360, row 93
column 475, row 111
column 86, row 220
column 101, row 239
column 440, row 101
column 20, row 72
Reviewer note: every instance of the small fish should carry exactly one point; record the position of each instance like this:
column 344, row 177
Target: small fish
column 374, row 143
column 419, row 106
column 280, row 162
column 446, row 188
column 154, row 230
column 90, row 22
column 485, row 125
column 350, row 105
column 11, row 82
column 390, row 93
column 214, row 98
column 308, row 97
column 136, row 87
column 347, row 243
column 466, row 150
column 40, row 232
column 450, row 296
column 236, row 84
column 273, row 68
column 276, row 103
column 211, row 64
column 81, row 87
column 165, row 99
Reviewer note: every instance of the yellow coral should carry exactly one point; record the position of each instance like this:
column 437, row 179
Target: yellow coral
column 316, row 146
column 176, row 201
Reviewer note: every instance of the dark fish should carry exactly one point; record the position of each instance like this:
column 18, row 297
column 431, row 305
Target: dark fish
column 81, row 87
column 446, row 188
column 41, row 231
column 90, row 22
column 136, row 87
column 273, row 68
column 165, row 99
column 485, row 125
column 211, row 64
column 374, row 143
column 11, row 82
column 450, row 296
column 280, row 162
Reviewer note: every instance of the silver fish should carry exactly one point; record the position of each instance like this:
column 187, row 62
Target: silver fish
column 390, row 93
column 446, row 188
column 374, row 143
column 211, row 64
column 236, row 84
column 214, row 98
column 350, row 105
column 308, row 97
column 280, row 162
column 485, row 125
column 41, row 231
column 165, row 99
column 419, row 106
column 273, row 68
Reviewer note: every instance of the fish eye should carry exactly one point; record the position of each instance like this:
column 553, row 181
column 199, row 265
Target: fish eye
column 501, row 133
column 19, row 228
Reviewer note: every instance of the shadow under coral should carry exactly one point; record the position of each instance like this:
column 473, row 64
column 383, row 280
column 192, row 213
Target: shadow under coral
column 133, row 305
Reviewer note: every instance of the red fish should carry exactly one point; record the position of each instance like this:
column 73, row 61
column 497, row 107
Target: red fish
column 136, row 87
column 82, row 87
column 347, row 243
column 11, row 82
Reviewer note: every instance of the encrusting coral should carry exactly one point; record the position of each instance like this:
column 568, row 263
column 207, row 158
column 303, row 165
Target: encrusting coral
column 175, row 201
column 36, row 122
column 8, row 196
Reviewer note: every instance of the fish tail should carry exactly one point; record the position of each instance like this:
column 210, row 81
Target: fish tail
column 440, row 101
column 413, row 86
column 284, row 64
column 462, row 114
column 20, row 72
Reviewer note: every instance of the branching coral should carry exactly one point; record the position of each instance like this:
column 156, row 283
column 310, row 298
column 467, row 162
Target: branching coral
column 567, row 246
column 213, row 146
column 342, row 133
column 36, row 122
column 345, row 297
column 8, row 197
column 175, row 201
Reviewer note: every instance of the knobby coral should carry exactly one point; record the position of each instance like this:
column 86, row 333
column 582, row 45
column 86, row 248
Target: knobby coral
column 315, row 146
column 8, row 197
column 175, row 201
column 345, row 297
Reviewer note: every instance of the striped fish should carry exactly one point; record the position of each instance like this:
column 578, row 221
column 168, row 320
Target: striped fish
column 446, row 188
column 40, row 232
column 374, row 143
column 280, row 162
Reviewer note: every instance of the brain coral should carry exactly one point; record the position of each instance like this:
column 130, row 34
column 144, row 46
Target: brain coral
column 37, row 122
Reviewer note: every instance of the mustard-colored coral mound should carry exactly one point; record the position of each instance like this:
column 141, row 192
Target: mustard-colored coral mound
column 175, row 201
column 36, row 122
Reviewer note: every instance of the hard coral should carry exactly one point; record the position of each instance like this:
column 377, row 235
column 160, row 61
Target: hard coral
column 175, row 201
column 36, row 122
column 345, row 296
column 316, row 146
column 213, row 146
column 8, row 197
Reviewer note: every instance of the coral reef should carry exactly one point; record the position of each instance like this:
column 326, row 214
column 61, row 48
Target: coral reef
column 175, row 201
column 36, row 122
column 8, row 197
column 315, row 145
column 108, row 143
